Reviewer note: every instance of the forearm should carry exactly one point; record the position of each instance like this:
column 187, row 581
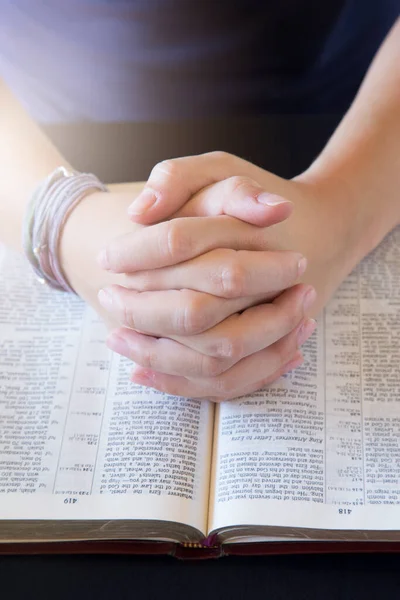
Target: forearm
column 26, row 157
column 361, row 163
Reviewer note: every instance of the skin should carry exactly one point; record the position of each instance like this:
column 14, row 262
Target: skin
column 207, row 348
column 27, row 157
column 343, row 206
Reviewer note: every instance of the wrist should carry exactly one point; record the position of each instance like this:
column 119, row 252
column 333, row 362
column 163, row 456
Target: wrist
column 97, row 219
column 362, row 218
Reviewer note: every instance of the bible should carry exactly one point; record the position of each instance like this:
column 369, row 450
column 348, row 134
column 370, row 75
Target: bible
column 90, row 462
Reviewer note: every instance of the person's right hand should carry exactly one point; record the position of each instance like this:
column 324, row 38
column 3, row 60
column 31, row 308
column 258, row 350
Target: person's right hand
column 100, row 218
column 202, row 328
column 322, row 228
column 104, row 216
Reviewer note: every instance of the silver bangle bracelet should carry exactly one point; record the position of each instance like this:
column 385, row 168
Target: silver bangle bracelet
column 47, row 211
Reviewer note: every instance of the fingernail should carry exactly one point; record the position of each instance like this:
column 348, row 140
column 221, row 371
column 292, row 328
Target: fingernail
column 305, row 331
column 118, row 344
column 102, row 259
column 309, row 299
column 302, row 266
column 293, row 364
column 105, row 298
column 143, row 202
column 271, row 199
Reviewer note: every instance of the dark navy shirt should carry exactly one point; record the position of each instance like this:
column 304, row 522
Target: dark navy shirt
column 141, row 60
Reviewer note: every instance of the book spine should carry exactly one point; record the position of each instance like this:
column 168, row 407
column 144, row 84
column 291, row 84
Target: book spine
column 196, row 551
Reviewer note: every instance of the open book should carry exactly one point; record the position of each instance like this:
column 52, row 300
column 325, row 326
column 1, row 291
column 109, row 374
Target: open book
column 87, row 455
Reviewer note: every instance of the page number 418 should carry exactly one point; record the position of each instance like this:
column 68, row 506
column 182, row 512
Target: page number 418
column 345, row 511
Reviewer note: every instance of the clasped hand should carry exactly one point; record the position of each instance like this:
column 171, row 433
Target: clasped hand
column 211, row 305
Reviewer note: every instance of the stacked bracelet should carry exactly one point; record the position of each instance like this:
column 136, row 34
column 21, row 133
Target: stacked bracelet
column 48, row 209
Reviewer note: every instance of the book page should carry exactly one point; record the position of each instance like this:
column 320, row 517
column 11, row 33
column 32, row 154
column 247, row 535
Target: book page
column 321, row 447
column 78, row 440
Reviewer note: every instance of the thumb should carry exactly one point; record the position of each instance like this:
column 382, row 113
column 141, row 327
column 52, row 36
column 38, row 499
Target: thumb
column 172, row 183
column 239, row 197
column 184, row 187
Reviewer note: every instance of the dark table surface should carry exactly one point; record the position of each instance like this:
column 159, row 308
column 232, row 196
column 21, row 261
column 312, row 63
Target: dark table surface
column 126, row 152
column 341, row 577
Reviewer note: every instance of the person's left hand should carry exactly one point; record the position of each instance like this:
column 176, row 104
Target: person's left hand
column 319, row 221
column 221, row 284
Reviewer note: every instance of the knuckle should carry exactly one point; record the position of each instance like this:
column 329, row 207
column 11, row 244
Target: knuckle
column 237, row 183
column 167, row 168
column 233, row 280
column 149, row 359
column 229, row 348
column 236, row 349
column 218, row 155
column 192, row 316
column 127, row 317
column 242, row 185
column 175, row 242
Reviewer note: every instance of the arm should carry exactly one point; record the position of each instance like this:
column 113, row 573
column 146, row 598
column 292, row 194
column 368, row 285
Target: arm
column 26, row 157
column 345, row 204
column 361, row 162
column 359, row 167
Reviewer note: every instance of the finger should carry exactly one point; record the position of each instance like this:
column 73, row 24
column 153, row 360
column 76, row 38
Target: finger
column 241, row 335
column 173, row 312
column 244, row 334
column 173, row 182
column 258, row 366
column 174, row 358
column 165, row 355
column 178, row 240
column 239, row 197
column 149, row 378
column 294, row 363
column 226, row 273
column 255, row 368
